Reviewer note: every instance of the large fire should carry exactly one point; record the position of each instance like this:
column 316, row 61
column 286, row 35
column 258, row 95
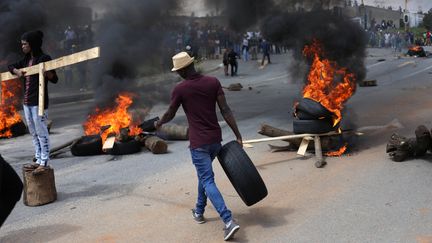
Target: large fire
column 324, row 85
column 8, row 112
column 116, row 118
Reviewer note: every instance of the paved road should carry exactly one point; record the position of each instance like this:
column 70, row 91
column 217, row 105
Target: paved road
column 363, row 197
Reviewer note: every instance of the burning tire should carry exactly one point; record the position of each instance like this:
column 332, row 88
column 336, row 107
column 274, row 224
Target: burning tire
column 308, row 109
column 122, row 148
column 313, row 126
column 417, row 51
column 17, row 129
column 242, row 173
column 87, row 146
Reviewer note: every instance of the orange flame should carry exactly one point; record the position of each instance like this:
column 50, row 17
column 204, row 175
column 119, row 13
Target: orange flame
column 322, row 86
column 8, row 112
column 416, row 48
column 337, row 153
column 117, row 117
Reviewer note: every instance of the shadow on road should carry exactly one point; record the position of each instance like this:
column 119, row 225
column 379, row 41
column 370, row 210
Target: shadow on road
column 266, row 217
column 40, row 233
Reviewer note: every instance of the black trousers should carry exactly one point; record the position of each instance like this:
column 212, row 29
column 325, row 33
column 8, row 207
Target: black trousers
column 10, row 189
column 264, row 56
column 234, row 67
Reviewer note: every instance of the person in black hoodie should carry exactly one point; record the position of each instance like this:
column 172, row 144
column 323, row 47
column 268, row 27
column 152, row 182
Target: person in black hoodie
column 10, row 189
column 31, row 43
column 232, row 59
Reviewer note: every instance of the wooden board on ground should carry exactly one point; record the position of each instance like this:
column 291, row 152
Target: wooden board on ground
column 367, row 83
column 109, row 143
column 262, row 66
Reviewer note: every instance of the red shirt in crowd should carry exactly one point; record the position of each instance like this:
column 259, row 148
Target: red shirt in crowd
column 198, row 97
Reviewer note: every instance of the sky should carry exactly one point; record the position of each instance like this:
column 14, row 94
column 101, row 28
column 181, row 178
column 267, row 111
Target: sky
column 413, row 5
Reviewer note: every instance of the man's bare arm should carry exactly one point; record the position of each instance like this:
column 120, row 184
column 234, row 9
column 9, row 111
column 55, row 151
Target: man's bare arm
column 229, row 117
column 168, row 116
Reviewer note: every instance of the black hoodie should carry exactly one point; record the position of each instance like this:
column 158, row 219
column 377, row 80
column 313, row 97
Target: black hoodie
column 31, row 86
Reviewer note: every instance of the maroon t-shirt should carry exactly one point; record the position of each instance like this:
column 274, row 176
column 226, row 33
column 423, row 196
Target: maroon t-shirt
column 198, row 97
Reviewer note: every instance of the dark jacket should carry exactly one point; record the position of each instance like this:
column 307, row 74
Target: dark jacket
column 31, row 91
column 232, row 57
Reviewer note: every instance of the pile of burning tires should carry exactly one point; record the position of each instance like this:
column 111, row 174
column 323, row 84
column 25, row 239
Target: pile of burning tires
column 312, row 117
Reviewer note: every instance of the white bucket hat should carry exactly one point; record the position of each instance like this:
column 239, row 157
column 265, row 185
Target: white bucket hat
column 181, row 60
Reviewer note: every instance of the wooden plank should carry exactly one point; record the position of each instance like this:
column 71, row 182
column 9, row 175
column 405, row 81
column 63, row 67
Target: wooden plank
column 303, row 147
column 109, row 143
column 287, row 137
column 304, row 135
column 57, row 63
column 41, row 89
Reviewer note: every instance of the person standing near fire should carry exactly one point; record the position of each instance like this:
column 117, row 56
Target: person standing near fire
column 31, row 44
column 198, row 95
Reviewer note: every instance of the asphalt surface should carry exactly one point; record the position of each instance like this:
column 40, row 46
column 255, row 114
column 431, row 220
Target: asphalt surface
column 360, row 197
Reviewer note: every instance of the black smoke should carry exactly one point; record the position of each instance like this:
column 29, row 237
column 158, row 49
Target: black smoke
column 19, row 16
column 296, row 23
column 242, row 14
column 131, row 35
column 343, row 40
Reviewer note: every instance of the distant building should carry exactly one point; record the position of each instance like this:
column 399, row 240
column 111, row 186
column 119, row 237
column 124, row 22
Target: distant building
column 368, row 15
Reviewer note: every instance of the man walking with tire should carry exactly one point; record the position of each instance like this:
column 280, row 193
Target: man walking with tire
column 198, row 95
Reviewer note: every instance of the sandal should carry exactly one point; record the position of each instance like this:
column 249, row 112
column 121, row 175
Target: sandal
column 39, row 170
column 31, row 166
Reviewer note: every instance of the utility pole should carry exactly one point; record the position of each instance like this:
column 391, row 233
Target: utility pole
column 365, row 14
column 406, row 12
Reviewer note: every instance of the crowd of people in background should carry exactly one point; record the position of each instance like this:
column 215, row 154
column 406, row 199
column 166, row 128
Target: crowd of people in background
column 386, row 35
column 215, row 42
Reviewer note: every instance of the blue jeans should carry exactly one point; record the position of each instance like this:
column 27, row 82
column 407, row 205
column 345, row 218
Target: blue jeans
column 202, row 158
column 38, row 130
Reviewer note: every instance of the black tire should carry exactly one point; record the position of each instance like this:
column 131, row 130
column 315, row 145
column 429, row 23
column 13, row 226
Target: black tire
column 242, row 173
column 314, row 109
column 148, row 126
column 313, row 126
column 17, row 129
column 87, row 146
column 122, row 148
column 303, row 115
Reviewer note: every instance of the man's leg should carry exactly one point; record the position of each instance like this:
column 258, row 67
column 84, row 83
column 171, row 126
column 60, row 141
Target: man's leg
column 201, row 158
column 201, row 200
column 28, row 113
column 10, row 190
column 43, row 136
column 232, row 69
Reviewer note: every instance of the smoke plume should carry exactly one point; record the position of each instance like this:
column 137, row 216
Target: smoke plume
column 131, row 35
column 343, row 40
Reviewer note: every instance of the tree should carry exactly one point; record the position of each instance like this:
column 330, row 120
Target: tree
column 427, row 20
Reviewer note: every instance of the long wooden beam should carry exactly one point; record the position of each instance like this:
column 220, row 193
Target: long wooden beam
column 287, row 137
column 57, row 63
column 51, row 65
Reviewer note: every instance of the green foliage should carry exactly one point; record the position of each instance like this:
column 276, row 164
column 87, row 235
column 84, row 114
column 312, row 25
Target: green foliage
column 418, row 31
column 427, row 20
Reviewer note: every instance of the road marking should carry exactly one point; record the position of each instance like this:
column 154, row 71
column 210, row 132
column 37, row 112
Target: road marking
column 407, row 63
column 278, row 77
column 415, row 73
column 376, row 64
